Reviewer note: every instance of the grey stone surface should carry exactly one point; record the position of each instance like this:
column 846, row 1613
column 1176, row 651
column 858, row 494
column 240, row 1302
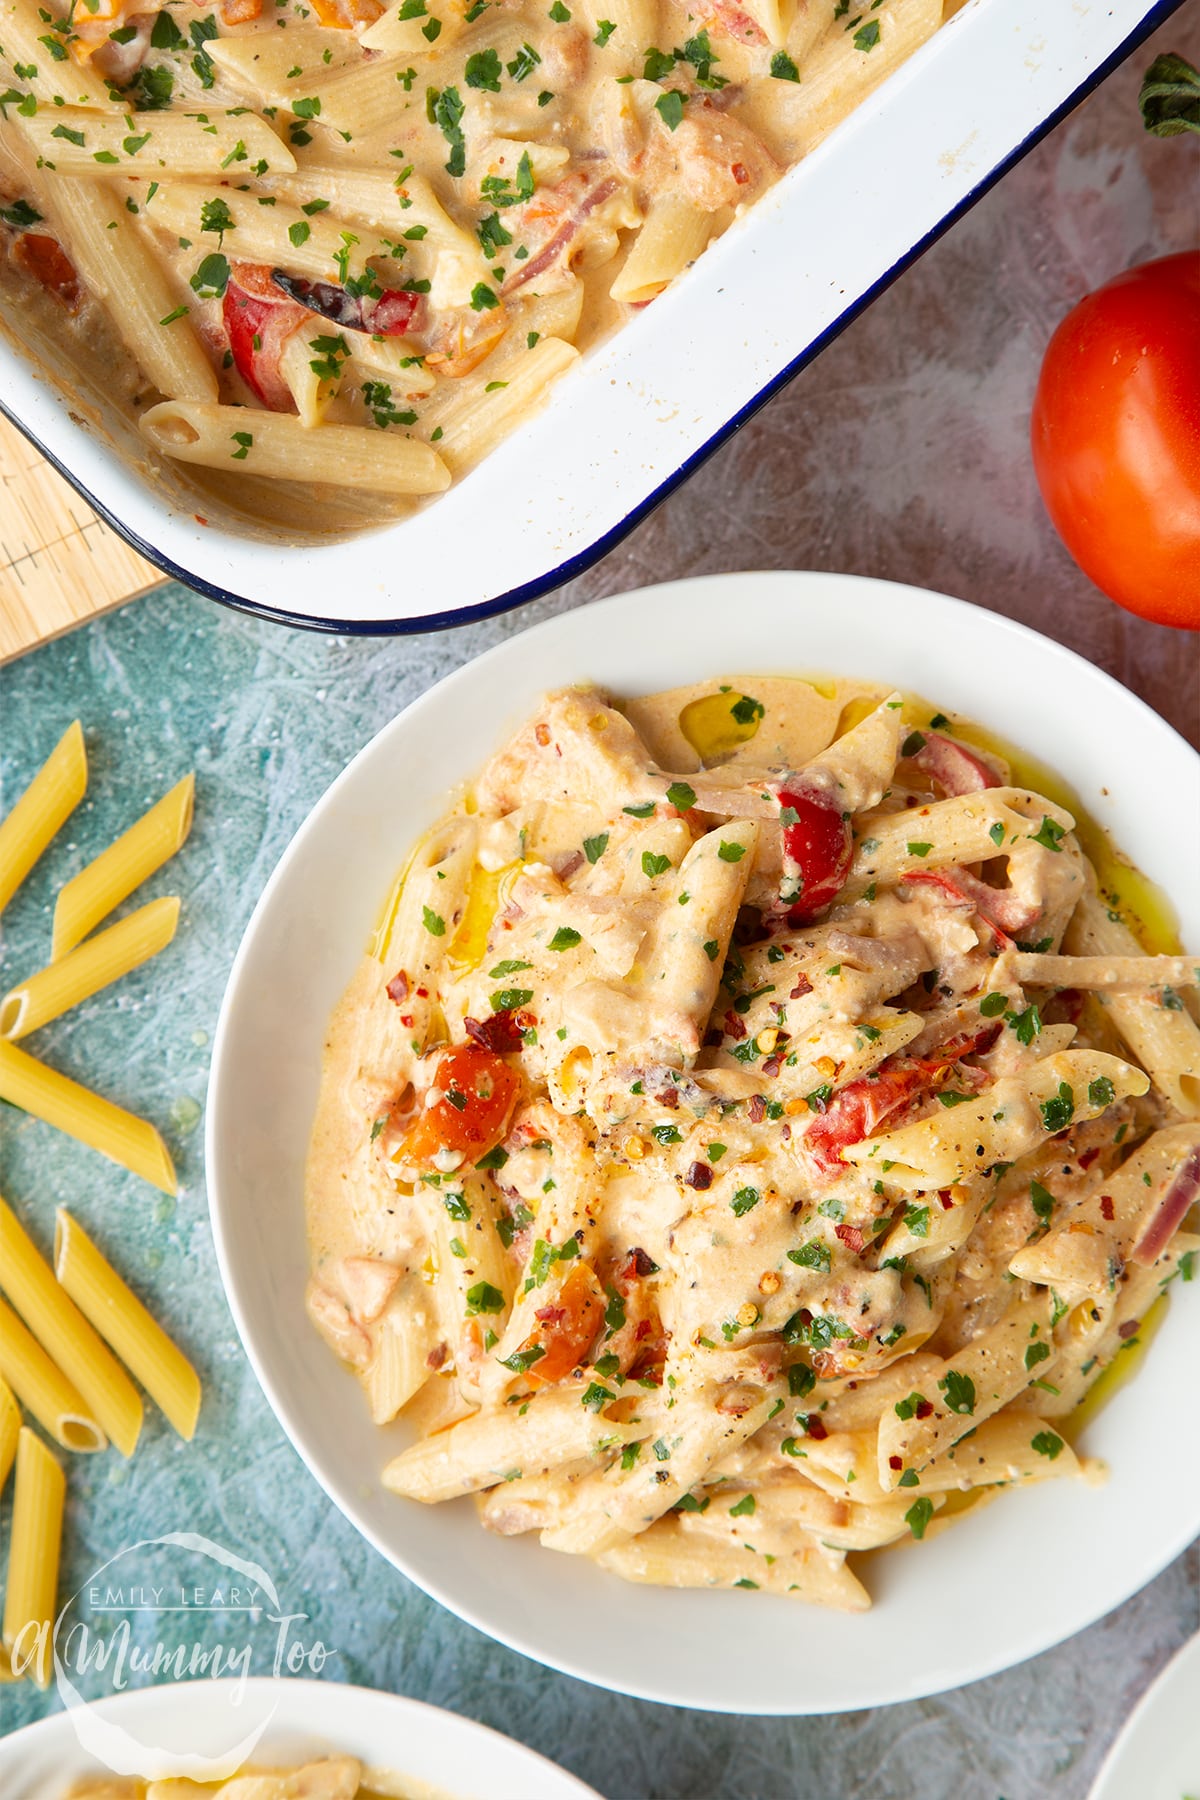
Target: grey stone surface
column 901, row 452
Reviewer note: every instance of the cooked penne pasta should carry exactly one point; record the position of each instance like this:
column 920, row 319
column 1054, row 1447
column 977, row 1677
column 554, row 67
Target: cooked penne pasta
column 674, row 235
column 34, row 1549
column 436, row 176
column 35, row 49
column 43, row 1389
column 1156, row 1026
column 97, row 146
column 99, row 1123
column 282, row 446
column 47, row 802
column 729, row 1172
column 91, row 966
column 123, row 1322
column 64, row 1333
column 113, row 875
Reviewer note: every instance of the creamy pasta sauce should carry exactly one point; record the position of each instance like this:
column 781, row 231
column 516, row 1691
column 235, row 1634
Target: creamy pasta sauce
column 749, row 1110
column 409, row 222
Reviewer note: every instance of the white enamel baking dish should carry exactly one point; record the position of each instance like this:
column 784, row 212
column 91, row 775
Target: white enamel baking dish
column 637, row 415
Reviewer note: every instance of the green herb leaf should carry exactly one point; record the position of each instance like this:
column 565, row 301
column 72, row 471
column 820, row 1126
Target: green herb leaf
column 565, row 938
column 594, row 847
column 511, row 999
column 959, row 1390
column 921, row 1511
column 730, row 853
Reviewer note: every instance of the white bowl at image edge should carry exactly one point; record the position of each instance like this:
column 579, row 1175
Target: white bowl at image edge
column 1157, row 1756
column 302, row 1720
column 641, row 411
column 1013, row 1580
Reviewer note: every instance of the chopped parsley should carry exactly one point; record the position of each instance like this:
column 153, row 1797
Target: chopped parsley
column 959, row 1391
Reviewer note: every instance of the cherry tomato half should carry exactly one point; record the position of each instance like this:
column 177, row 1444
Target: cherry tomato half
column 1116, row 438
column 817, row 851
column 467, row 1109
column 567, row 1324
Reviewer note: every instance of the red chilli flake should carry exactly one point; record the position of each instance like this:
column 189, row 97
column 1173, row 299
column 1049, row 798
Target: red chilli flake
column 1088, row 1157
column 668, row 1098
column 815, row 1428
column 551, row 1315
column 734, row 1027
column 501, row 1033
column 803, row 986
column 397, row 987
column 1129, row 1328
column 924, row 1409
column 854, row 1238
column 1107, row 1210
column 699, row 1176
column 542, row 734
column 895, row 1462
column 758, row 1108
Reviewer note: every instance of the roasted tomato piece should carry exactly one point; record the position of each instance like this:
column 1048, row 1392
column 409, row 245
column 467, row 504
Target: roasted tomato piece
column 467, row 1108
column 817, row 848
column 45, row 259
column 258, row 321
column 567, row 1326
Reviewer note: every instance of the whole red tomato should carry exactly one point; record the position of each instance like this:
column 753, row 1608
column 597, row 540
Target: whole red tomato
column 1116, row 438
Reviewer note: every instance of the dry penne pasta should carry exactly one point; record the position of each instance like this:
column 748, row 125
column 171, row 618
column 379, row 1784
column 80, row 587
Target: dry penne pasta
column 43, row 1389
column 94, row 1286
column 10, row 1425
column 34, row 1549
column 91, row 966
column 70, row 1107
column 717, row 1163
column 112, row 876
column 50, row 798
column 64, row 1333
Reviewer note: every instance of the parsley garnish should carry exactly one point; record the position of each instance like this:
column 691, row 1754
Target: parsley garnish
column 959, row 1390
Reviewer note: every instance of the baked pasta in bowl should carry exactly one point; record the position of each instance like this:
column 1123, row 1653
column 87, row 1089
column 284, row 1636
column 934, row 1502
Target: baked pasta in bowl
column 756, row 1136
column 257, row 1738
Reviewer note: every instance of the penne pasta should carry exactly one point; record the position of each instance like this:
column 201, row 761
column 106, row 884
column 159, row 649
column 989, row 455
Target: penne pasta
column 38, row 46
column 674, row 235
column 10, row 1425
column 43, row 1389
column 123, row 1322
column 66, row 1336
column 99, row 1123
column 279, row 445
column 47, row 802
column 718, row 1163
column 90, row 967
column 34, row 1550
column 91, row 895
column 99, row 146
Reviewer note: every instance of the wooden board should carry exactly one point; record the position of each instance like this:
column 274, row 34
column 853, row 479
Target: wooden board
column 59, row 564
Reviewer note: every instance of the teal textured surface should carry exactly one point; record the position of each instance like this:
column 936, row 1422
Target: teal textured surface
column 267, row 718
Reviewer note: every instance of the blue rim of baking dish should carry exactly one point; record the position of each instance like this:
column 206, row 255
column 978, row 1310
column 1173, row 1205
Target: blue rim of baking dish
column 585, row 559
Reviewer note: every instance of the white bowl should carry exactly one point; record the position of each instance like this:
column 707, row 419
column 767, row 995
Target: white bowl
column 1027, row 1571
column 300, row 1720
column 1157, row 1756
column 642, row 411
